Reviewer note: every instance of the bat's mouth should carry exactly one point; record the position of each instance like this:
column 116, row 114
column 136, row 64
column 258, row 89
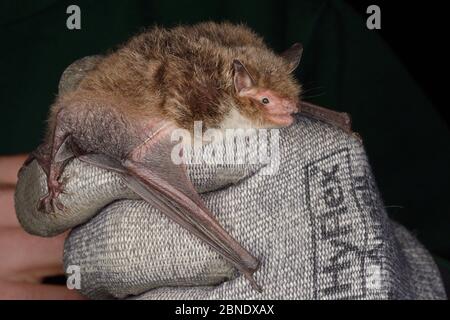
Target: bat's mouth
column 282, row 119
column 283, row 116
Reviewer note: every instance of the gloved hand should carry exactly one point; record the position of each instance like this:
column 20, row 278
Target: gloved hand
column 315, row 221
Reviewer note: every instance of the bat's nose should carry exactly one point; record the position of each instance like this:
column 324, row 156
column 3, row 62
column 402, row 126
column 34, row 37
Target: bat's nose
column 282, row 113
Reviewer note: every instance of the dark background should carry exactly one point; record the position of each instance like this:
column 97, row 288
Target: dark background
column 391, row 81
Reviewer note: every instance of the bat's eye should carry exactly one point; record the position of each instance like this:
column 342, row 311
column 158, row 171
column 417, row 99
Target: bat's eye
column 265, row 100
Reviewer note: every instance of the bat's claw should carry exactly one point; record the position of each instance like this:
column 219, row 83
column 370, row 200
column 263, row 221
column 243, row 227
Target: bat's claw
column 253, row 283
column 50, row 202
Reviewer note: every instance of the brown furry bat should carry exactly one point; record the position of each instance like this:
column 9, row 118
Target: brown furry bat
column 122, row 113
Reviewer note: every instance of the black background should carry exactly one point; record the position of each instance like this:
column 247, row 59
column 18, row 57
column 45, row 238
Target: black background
column 418, row 34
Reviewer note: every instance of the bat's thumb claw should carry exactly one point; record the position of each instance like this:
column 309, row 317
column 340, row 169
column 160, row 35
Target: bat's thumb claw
column 253, row 283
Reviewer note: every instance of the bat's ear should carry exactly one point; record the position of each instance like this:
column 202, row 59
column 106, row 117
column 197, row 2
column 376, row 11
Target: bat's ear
column 293, row 55
column 242, row 78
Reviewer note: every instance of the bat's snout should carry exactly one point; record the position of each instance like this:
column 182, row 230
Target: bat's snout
column 291, row 107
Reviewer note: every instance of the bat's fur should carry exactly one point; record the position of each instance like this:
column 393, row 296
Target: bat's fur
column 183, row 74
column 126, row 107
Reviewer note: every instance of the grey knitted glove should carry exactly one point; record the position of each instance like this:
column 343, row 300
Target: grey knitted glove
column 316, row 222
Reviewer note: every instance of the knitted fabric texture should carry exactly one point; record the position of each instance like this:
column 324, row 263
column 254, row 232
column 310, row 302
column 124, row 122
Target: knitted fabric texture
column 316, row 223
column 315, row 220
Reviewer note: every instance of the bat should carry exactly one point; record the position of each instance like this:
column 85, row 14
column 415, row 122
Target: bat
column 123, row 111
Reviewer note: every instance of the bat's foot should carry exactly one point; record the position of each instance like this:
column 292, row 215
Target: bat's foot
column 50, row 202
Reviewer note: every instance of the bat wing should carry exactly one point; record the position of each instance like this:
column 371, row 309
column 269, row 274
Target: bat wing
column 338, row 119
column 150, row 172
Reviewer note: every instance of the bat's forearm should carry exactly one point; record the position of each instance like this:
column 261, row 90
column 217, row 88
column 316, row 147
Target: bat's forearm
column 341, row 120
